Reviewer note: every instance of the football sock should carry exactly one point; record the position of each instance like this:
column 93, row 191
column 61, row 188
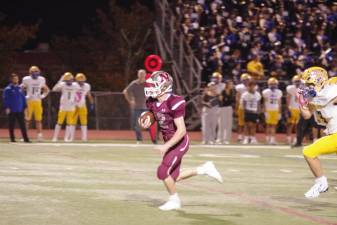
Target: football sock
column 56, row 131
column 84, row 130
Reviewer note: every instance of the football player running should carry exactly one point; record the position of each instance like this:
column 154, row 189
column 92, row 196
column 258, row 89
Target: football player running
column 36, row 89
column 293, row 107
column 68, row 90
column 318, row 97
column 240, row 89
column 169, row 111
column 81, row 111
column 272, row 107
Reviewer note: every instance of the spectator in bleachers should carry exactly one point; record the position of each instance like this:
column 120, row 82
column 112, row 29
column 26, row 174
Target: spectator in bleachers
column 255, row 68
column 299, row 33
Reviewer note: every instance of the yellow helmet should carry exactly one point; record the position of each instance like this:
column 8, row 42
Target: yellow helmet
column 316, row 76
column 80, row 77
column 272, row 81
column 33, row 69
column 217, row 75
column 245, row 76
column 68, row 76
column 296, row 78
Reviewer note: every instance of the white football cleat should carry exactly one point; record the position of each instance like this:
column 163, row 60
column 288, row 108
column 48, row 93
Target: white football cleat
column 253, row 140
column 54, row 140
column 245, row 141
column 316, row 189
column 39, row 137
column 211, row 171
column 170, row 205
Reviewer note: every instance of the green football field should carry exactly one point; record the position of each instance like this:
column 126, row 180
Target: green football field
column 116, row 184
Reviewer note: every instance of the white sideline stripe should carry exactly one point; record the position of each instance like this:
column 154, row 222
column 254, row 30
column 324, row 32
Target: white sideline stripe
column 233, row 170
column 286, row 171
column 151, row 145
column 177, row 105
column 229, row 156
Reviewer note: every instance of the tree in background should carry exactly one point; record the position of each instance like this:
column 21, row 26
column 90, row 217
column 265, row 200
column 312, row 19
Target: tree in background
column 12, row 39
column 111, row 51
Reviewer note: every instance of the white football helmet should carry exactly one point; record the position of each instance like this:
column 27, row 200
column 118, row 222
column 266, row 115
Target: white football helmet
column 157, row 84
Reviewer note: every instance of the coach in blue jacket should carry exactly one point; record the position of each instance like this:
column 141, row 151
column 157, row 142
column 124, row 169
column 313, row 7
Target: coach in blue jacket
column 15, row 105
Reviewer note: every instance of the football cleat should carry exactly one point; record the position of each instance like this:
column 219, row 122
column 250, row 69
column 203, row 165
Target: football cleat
column 211, row 171
column 172, row 204
column 316, row 189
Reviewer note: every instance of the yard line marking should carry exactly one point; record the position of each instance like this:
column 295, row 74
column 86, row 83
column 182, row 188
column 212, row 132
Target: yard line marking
column 286, row 171
column 274, row 147
column 233, row 170
column 209, row 155
column 294, row 156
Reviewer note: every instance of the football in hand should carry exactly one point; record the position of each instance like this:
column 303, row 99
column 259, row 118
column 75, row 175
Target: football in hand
column 146, row 119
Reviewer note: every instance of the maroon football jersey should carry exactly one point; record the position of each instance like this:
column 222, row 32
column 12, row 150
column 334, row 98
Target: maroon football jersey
column 165, row 112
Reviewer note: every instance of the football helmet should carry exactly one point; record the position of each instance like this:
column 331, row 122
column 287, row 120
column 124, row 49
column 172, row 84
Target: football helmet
column 80, row 77
column 216, row 77
column 245, row 76
column 157, row 84
column 34, row 72
column 272, row 83
column 296, row 80
column 313, row 78
column 68, row 77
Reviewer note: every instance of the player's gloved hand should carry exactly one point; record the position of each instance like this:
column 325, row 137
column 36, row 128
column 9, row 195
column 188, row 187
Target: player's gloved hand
column 91, row 107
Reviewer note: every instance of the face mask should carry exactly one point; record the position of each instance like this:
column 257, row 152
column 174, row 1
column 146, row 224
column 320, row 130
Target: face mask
column 35, row 75
column 273, row 87
column 308, row 92
column 69, row 83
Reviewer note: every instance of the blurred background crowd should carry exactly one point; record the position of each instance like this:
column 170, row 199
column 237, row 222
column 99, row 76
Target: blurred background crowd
column 265, row 38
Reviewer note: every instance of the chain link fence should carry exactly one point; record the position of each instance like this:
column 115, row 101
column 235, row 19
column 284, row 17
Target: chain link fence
column 111, row 111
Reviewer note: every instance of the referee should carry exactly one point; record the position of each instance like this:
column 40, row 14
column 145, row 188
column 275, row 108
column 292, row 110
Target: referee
column 15, row 105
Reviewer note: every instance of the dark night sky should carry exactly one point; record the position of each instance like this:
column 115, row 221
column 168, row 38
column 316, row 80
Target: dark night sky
column 56, row 17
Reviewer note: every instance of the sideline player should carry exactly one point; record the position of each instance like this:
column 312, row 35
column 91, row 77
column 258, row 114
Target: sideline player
column 68, row 90
column 36, row 89
column 169, row 111
column 250, row 101
column 319, row 98
column 293, row 107
column 81, row 111
column 272, row 107
column 240, row 89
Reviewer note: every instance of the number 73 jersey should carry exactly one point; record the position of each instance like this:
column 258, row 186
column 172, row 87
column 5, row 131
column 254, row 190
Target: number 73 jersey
column 272, row 99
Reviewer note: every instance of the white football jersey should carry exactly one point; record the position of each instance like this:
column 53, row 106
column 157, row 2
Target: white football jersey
column 252, row 100
column 33, row 87
column 81, row 95
column 292, row 92
column 272, row 98
column 326, row 113
column 68, row 95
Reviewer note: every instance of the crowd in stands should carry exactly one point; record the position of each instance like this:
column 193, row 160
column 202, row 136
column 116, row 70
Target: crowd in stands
column 265, row 38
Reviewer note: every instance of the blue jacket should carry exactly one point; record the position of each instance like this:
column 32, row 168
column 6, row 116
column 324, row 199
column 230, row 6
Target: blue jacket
column 14, row 98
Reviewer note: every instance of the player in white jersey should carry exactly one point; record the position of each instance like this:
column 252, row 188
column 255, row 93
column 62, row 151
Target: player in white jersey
column 272, row 97
column 81, row 111
column 240, row 89
column 319, row 98
column 293, row 107
column 36, row 89
column 250, row 101
column 68, row 90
